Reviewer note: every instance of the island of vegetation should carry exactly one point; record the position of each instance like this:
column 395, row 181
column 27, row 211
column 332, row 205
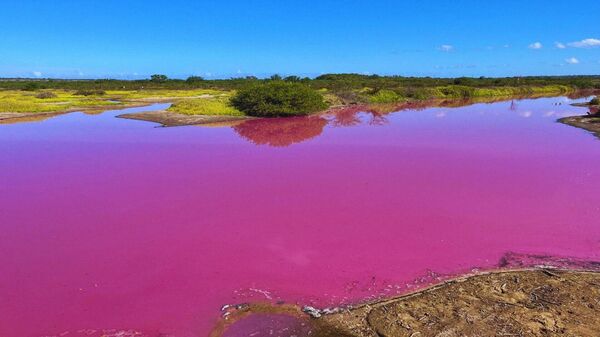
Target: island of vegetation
column 197, row 100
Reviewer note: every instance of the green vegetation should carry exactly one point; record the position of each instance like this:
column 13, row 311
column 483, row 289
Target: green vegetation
column 205, row 106
column 89, row 92
column 274, row 96
column 47, row 101
column 278, row 98
column 158, row 78
column 595, row 101
column 385, row 96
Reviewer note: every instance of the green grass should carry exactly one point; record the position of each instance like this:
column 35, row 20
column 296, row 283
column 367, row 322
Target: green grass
column 62, row 100
column 205, row 106
column 461, row 92
column 164, row 93
column 26, row 101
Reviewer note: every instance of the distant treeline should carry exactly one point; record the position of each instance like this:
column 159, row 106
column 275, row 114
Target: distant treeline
column 332, row 82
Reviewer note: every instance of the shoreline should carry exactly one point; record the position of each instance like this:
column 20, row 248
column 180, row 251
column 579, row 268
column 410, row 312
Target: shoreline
column 171, row 119
column 590, row 123
column 524, row 301
column 16, row 117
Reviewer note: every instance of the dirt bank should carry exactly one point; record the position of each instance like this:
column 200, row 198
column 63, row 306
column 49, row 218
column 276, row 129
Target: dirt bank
column 22, row 117
column 167, row 118
column 590, row 123
column 535, row 302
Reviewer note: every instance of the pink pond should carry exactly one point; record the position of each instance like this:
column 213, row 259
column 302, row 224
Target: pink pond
column 114, row 227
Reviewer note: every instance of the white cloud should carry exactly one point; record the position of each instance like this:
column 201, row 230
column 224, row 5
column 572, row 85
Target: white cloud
column 536, row 45
column 586, row 43
column 446, row 47
column 572, row 60
column 559, row 45
column 37, row 73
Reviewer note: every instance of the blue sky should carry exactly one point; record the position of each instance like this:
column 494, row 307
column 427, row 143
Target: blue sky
column 219, row 39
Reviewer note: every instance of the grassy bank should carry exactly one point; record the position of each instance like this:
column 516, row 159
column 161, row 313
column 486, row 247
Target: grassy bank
column 48, row 101
column 210, row 106
column 56, row 100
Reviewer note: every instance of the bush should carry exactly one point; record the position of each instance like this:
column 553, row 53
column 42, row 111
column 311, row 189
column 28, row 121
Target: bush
column 89, row 92
column 385, row 96
column 31, row 86
column 194, row 79
column 45, row 95
column 595, row 101
column 158, row 78
column 278, row 98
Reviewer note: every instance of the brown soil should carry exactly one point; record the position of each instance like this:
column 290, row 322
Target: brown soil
column 167, row 118
column 539, row 302
column 590, row 123
column 19, row 117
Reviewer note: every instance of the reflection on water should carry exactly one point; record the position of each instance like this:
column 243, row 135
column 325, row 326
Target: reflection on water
column 281, row 131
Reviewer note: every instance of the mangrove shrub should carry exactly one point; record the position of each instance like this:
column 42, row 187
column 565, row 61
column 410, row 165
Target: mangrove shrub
column 278, row 98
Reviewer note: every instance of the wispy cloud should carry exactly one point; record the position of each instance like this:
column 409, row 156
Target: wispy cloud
column 536, row 45
column 559, row 45
column 446, row 48
column 572, row 60
column 37, row 73
column 585, row 43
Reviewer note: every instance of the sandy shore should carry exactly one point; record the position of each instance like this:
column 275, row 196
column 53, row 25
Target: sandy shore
column 533, row 302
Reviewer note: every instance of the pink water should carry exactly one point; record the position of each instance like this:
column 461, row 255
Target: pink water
column 120, row 228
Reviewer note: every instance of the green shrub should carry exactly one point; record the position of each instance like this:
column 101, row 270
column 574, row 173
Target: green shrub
column 194, row 79
column 457, row 91
column 158, row 78
column 385, row 96
column 278, row 98
column 31, row 86
column 89, row 92
column 595, row 101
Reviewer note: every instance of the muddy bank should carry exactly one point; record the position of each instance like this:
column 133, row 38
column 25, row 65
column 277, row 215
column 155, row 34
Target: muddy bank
column 18, row 117
column 23, row 117
column 534, row 302
column 167, row 118
column 590, row 123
